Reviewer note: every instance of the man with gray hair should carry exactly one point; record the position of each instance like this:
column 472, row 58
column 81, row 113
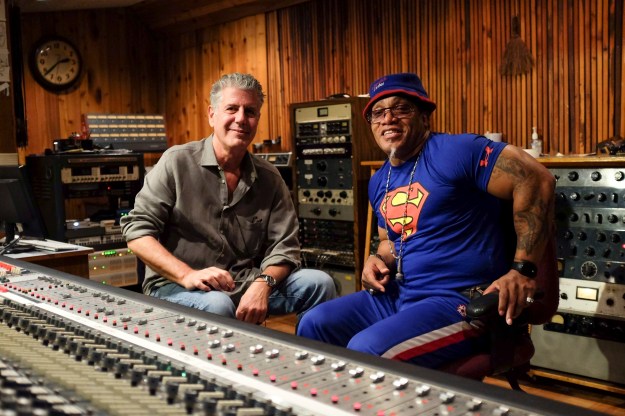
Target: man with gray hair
column 216, row 226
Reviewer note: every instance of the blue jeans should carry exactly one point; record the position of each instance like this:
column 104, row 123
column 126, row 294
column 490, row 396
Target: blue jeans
column 301, row 291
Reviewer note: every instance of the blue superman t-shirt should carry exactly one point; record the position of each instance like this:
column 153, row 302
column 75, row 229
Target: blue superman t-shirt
column 453, row 237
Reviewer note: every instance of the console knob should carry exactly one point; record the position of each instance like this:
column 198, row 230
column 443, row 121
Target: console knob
column 602, row 197
column 619, row 176
column 615, row 238
column 316, row 211
column 612, row 219
column 589, row 251
column 595, row 176
column 573, row 176
column 601, row 237
column 322, row 181
column 322, row 165
column 574, row 196
column 343, row 194
column 581, row 236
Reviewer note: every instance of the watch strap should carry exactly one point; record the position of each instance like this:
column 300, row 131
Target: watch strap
column 270, row 280
column 525, row 267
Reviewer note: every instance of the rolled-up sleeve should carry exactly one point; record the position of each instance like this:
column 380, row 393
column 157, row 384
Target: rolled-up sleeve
column 283, row 228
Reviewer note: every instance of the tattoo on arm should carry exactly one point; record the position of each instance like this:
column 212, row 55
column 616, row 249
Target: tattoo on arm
column 531, row 211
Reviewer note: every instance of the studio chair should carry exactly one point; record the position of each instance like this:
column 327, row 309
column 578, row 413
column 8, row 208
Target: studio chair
column 510, row 348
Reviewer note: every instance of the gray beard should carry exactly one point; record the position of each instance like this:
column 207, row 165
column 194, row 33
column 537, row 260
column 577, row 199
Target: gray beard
column 391, row 155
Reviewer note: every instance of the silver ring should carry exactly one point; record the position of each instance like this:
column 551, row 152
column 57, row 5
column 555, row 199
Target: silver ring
column 372, row 291
column 529, row 300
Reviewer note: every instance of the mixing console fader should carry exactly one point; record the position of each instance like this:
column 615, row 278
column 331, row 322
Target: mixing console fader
column 71, row 347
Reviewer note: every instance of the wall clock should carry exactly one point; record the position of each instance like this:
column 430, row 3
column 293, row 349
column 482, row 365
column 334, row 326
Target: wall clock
column 56, row 64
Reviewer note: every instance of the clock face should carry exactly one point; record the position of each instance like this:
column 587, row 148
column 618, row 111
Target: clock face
column 56, row 64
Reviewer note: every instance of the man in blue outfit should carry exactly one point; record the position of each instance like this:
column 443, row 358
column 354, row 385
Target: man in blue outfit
column 439, row 204
column 216, row 226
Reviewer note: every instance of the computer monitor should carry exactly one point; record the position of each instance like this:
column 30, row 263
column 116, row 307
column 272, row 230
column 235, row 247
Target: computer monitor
column 18, row 210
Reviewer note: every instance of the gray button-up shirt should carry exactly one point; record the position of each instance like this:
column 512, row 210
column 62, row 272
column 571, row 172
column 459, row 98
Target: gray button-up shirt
column 184, row 204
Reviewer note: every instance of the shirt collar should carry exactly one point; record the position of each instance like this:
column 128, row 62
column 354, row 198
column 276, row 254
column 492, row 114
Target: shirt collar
column 248, row 169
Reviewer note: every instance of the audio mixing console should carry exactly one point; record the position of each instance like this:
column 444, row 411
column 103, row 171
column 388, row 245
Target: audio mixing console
column 70, row 346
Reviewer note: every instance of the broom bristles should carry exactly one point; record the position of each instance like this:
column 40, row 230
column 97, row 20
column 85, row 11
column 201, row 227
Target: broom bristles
column 517, row 58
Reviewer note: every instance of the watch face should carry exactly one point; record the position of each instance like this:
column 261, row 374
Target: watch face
column 56, row 64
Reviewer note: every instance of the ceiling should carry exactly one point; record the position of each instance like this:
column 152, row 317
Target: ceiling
column 167, row 16
column 37, row 6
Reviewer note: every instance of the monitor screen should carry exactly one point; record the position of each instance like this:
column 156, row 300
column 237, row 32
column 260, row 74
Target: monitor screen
column 18, row 207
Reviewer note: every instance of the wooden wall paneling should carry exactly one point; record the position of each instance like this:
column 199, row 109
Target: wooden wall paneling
column 103, row 38
column 475, row 58
column 594, row 84
column 588, row 81
column 506, row 81
column 274, row 87
column 482, row 67
column 561, row 96
column 611, row 87
column 461, row 29
column 242, row 48
column 192, row 82
column 561, row 67
column 526, row 121
column 607, row 89
column 573, row 75
column 309, row 50
column 579, row 114
column 620, row 75
column 438, row 69
column 602, row 93
column 532, row 88
column 176, row 81
column 498, row 98
column 210, row 71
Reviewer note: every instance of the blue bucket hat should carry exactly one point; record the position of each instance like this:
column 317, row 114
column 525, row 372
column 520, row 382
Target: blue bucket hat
column 404, row 84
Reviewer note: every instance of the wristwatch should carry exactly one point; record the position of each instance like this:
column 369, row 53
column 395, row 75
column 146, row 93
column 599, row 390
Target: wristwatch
column 526, row 268
column 271, row 282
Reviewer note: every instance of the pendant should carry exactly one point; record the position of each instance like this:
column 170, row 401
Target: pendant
column 399, row 275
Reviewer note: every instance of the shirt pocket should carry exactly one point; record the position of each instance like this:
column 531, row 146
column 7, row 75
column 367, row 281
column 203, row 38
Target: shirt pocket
column 250, row 235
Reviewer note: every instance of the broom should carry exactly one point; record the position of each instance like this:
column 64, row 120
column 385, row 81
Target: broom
column 517, row 59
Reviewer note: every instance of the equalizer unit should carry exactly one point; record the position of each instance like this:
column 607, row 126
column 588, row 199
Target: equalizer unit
column 331, row 141
column 587, row 335
column 71, row 346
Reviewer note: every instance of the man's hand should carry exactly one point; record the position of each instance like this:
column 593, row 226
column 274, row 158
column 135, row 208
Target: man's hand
column 514, row 290
column 254, row 303
column 211, row 278
column 375, row 274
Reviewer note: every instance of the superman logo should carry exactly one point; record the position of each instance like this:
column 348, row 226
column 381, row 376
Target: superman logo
column 402, row 207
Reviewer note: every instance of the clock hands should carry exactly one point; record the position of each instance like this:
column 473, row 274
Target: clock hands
column 60, row 61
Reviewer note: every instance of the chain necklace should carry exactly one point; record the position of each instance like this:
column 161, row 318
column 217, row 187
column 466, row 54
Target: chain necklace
column 398, row 257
